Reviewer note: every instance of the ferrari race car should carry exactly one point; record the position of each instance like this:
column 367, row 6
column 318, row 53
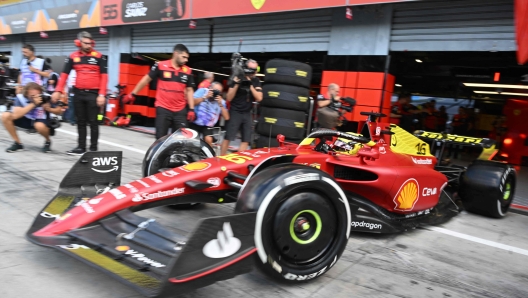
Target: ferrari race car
column 295, row 205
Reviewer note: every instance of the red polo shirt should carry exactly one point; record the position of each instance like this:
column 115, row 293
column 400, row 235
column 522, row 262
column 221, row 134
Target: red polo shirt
column 172, row 83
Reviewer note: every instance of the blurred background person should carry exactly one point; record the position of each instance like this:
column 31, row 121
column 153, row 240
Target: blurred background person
column 442, row 118
column 208, row 79
column 69, row 115
column 32, row 68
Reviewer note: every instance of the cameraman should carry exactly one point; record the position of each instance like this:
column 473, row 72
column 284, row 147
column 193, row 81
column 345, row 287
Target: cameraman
column 31, row 110
column 209, row 104
column 329, row 114
column 242, row 92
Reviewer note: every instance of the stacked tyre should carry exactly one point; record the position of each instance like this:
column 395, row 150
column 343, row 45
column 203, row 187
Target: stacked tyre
column 285, row 103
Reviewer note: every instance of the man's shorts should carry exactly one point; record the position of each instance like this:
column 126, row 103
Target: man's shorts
column 238, row 121
column 26, row 123
column 204, row 130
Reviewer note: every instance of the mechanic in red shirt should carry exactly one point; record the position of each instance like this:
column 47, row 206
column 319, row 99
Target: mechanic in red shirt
column 175, row 91
column 89, row 91
column 402, row 113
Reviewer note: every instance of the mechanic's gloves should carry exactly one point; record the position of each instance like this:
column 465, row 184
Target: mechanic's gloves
column 129, row 98
column 350, row 101
column 191, row 115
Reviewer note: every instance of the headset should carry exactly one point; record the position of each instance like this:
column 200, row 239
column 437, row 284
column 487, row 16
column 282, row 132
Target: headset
column 82, row 35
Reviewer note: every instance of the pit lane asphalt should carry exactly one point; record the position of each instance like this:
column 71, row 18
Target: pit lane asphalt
column 419, row 263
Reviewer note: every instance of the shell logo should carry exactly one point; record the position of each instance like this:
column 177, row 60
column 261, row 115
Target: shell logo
column 407, row 196
column 122, row 248
column 196, row 167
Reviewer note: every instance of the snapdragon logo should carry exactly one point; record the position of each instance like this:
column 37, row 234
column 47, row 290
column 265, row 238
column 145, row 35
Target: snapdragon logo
column 367, row 225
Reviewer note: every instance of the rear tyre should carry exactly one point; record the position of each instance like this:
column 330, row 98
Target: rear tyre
column 302, row 224
column 488, row 188
column 288, row 73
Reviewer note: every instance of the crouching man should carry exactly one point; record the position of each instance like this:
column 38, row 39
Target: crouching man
column 209, row 105
column 30, row 111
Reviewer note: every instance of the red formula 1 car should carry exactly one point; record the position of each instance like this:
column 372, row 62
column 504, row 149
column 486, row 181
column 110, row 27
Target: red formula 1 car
column 296, row 205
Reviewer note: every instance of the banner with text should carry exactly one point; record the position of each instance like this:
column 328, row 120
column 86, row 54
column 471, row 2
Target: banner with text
column 119, row 12
column 82, row 15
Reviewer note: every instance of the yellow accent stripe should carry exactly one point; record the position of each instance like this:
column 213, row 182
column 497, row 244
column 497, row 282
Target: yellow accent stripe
column 307, row 141
column 371, row 143
column 117, row 268
column 59, row 204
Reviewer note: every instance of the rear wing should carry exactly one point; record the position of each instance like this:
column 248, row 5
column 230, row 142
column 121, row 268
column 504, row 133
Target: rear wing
column 488, row 145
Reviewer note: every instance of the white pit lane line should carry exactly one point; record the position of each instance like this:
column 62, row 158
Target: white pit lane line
column 479, row 240
column 105, row 142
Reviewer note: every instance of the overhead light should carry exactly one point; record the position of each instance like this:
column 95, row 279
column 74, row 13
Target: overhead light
column 486, row 92
column 397, row 85
column 496, row 86
column 418, row 60
column 514, row 94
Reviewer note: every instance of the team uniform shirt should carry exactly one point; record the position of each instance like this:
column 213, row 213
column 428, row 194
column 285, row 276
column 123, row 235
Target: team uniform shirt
column 37, row 113
column 172, row 84
column 204, row 84
column 91, row 70
column 27, row 76
column 207, row 112
column 243, row 100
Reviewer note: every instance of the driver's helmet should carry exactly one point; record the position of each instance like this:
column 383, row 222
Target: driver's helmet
column 345, row 146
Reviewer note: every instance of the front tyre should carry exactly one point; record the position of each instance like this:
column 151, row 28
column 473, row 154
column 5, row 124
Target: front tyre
column 302, row 224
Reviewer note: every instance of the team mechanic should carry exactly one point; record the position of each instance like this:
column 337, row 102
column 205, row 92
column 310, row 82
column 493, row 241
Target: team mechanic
column 175, row 90
column 89, row 90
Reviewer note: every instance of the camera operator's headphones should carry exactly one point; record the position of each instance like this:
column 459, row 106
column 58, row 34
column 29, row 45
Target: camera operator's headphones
column 82, row 35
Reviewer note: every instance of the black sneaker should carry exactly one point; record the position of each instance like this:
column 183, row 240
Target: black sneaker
column 93, row 148
column 47, row 147
column 76, row 151
column 15, row 147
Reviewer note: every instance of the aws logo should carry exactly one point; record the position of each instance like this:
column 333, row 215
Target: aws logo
column 105, row 161
column 407, row 196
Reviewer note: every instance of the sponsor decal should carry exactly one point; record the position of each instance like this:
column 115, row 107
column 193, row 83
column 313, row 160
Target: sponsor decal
column 131, row 188
column 367, row 225
column 184, row 78
column 95, row 201
column 105, row 161
column 422, row 161
column 92, row 61
column 49, row 215
column 426, row 192
column 117, row 194
column 255, row 154
column 504, row 177
column 257, row 4
column 67, row 16
column 301, row 178
column 135, row 9
column 196, row 166
column 185, row 69
column 235, row 158
column 73, row 246
column 189, row 133
column 224, row 246
column 142, row 258
column 423, row 212
column 167, row 74
column 94, row 54
column 158, row 195
column 87, row 208
column 143, row 183
column 170, row 173
column 407, row 196
column 122, row 248
column 382, row 150
column 154, row 179
column 76, row 59
column 378, row 131
column 291, row 276
column 214, row 181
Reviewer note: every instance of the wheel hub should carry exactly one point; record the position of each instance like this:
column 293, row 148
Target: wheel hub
column 302, row 225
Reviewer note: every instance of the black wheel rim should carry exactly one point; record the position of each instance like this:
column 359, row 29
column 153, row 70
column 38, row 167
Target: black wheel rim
column 304, row 228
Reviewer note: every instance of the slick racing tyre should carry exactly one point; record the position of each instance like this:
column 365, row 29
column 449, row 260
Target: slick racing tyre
column 288, row 72
column 488, row 188
column 286, row 97
column 302, row 224
column 275, row 121
column 266, row 142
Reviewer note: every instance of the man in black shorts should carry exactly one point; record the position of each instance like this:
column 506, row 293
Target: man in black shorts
column 29, row 112
column 242, row 93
